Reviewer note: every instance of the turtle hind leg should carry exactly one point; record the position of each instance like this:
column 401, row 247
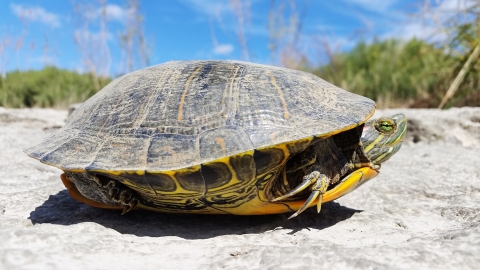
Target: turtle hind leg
column 319, row 185
column 100, row 191
column 121, row 194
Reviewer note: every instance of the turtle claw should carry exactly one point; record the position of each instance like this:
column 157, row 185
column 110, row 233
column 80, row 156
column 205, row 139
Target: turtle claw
column 310, row 199
column 294, row 215
column 308, row 180
column 122, row 195
column 127, row 207
column 319, row 203
column 319, row 188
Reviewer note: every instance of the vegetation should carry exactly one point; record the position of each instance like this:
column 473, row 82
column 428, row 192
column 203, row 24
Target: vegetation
column 49, row 87
column 392, row 72
column 407, row 73
column 412, row 73
column 463, row 43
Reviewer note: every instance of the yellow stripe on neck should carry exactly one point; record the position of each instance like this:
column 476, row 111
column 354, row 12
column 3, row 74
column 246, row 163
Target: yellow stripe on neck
column 370, row 146
column 377, row 160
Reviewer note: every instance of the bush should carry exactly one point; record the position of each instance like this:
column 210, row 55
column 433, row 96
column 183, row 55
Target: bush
column 392, row 72
column 49, row 87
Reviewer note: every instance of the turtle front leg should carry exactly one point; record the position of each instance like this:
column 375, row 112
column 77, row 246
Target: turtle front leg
column 319, row 183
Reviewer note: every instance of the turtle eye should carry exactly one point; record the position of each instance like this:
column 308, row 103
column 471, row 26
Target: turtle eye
column 386, row 126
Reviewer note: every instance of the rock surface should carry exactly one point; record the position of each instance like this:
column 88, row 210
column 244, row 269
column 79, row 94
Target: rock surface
column 422, row 211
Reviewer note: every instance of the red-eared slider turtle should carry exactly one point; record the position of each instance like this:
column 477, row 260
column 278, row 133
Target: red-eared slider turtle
column 219, row 137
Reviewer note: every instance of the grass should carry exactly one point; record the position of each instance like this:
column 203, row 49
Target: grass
column 394, row 73
column 49, row 87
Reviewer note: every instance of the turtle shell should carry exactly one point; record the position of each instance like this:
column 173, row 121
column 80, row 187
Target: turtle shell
column 169, row 125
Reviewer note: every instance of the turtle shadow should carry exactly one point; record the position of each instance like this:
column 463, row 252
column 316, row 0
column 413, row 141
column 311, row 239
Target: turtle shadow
column 61, row 209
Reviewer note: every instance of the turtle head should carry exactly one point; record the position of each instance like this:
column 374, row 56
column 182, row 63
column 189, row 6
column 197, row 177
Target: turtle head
column 383, row 137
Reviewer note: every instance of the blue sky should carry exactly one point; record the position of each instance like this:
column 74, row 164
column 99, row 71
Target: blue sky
column 37, row 33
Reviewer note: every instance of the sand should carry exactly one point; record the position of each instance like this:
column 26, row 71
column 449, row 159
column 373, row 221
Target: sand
column 422, row 211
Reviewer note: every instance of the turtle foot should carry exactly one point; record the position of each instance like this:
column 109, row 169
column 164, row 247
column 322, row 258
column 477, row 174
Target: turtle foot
column 319, row 184
column 100, row 191
column 122, row 195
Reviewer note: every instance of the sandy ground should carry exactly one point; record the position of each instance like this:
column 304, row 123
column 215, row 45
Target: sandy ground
column 423, row 211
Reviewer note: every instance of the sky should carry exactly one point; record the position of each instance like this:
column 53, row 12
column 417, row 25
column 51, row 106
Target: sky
column 36, row 33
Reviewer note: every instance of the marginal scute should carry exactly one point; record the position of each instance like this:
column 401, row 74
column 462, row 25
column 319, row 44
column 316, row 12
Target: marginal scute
column 80, row 150
column 267, row 159
column 298, row 146
column 244, row 166
column 50, row 145
column 216, row 174
column 116, row 154
column 160, row 182
column 191, row 179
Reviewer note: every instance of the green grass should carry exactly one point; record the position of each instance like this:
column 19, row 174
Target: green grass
column 392, row 72
column 49, row 87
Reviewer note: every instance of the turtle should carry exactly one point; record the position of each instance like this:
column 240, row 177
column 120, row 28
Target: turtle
column 219, row 137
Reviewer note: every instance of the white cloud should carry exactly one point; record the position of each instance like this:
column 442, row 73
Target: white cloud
column 415, row 29
column 455, row 5
column 429, row 26
column 212, row 8
column 374, row 5
column 35, row 14
column 115, row 12
column 112, row 12
column 223, row 49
